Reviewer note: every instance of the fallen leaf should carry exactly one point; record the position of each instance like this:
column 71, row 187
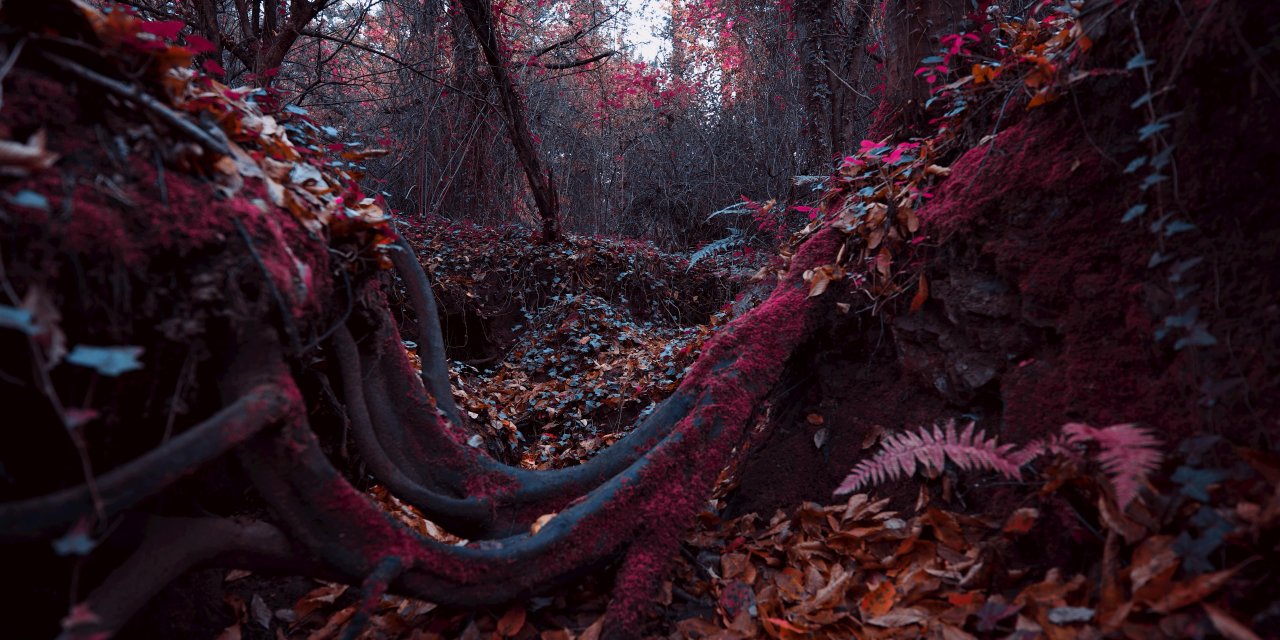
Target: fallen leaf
column 512, row 621
column 1070, row 615
column 1192, row 591
column 879, row 601
column 1228, row 626
column 540, row 523
column 922, row 295
column 593, row 632
column 899, row 618
column 1021, row 521
column 260, row 611
column 18, row 158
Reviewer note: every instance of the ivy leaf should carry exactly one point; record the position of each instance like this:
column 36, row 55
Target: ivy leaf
column 1133, row 213
column 77, row 541
column 1139, row 61
column 1199, row 337
column 1184, row 320
column 18, row 318
column 1178, row 226
column 1143, row 99
column 29, row 199
column 1152, row 180
column 1162, row 159
column 1151, row 129
column 108, row 361
column 1135, row 164
column 1180, row 268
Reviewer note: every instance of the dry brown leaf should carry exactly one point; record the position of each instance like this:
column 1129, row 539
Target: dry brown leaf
column 593, row 632
column 512, row 621
column 946, row 528
column 879, row 601
column 334, row 624
column 1115, row 519
column 18, row 158
column 1227, row 625
column 540, row 523
column 237, row 574
column 922, row 295
column 230, row 633
column 899, row 618
column 1192, row 591
column 1021, row 521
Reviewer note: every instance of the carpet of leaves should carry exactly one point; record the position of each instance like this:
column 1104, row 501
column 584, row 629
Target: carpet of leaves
column 598, row 331
column 575, row 383
column 1193, row 558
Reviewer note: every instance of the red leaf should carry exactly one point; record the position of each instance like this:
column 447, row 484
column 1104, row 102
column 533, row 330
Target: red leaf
column 164, row 29
column 213, row 68
column 200, row 45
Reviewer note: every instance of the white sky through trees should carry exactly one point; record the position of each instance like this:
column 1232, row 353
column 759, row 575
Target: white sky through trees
column 644, row 29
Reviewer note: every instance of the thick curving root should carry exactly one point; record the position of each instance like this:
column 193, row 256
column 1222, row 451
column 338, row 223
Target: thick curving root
column 632, row 502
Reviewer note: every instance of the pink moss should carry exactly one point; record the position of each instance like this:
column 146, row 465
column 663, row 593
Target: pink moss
column 1035, row 158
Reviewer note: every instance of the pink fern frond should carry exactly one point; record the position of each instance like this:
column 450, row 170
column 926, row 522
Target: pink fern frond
column 903, row 452
column 1127, row 453
column 1055, row 444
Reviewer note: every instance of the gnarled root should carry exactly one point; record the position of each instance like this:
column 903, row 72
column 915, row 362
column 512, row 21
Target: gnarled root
column 633, row 501
column 170, row 547
column 131, row 483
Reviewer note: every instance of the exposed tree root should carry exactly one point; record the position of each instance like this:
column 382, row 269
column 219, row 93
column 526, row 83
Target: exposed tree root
column 128, row 485
column 632, row 502
column 170, row 547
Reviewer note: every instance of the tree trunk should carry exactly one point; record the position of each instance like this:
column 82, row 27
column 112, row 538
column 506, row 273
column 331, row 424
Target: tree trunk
column 480, row 15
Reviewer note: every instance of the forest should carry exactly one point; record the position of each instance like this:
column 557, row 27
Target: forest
column 623, row 319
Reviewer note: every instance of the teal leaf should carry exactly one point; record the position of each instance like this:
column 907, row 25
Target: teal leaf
column 76, row 543
column 1151, row 129
column 109, row 361
column 1135, row 164
column 1181, row 267
column 1139, row 61
column 1152, row 180
column 1198, row 337
column 18, row 318
column 1133, row 213
column 1195, row 483
column 29, row 199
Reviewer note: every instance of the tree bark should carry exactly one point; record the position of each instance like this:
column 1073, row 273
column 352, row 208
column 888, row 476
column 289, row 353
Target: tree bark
column 541, row 184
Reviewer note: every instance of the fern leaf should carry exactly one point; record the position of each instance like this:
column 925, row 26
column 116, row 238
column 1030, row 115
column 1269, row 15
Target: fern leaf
column 1055, row 444
column 735, row 239
column 1128, row 455
column 735, row 209
column 902, row 453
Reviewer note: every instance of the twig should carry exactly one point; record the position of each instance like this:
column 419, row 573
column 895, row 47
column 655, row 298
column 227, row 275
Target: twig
column 346, row 313
column 992, row 143
column 285, row 317
column 842, row 81
column 8, row 65
column 132, row 94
